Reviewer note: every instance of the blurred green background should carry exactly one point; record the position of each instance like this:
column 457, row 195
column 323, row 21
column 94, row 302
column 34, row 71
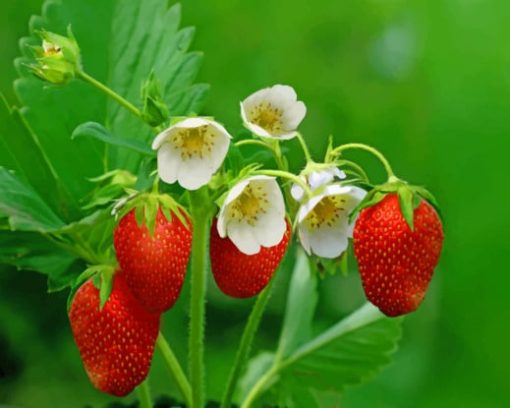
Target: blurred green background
column 427, row 82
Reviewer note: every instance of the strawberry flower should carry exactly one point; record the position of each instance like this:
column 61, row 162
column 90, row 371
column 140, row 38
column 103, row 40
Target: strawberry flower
column 323, row 221
column 273, row 112
column 191, row 151
column 253, row 214
column 316, row 180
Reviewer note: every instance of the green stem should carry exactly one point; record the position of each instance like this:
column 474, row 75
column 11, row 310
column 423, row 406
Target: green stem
column 144, row 395
column 248, row 142
column 175, row 368
column 371, row 150
column 111, row 93
column 286, row 175
column 304, row 146
column 259, row 387
column 200, row 214
column 245, row 345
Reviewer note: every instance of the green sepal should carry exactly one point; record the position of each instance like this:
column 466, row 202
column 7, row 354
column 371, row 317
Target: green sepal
column 406, row 201
column 106, row 285
column 409, row 197
column 155, row 111
column 146, row 206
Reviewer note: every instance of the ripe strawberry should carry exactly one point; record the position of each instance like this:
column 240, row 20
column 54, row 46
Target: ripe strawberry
column 154, row 266
column 116, row 343
column 395, row 262
column 240, row 275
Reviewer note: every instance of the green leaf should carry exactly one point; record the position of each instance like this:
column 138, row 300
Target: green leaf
column 301, row 303
column 97, row 131
column 32, row 251
column 146, row 37
column 257, row 367
column 348, row 353
column 25, row 209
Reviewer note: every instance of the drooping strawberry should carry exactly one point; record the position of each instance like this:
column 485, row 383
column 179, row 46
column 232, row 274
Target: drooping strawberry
column 116, row 342
column 397, row 242
column 154, row 262
column 240, row 275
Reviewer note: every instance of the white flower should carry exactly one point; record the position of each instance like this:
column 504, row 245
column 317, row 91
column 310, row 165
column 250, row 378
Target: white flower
column 273, row 112
column 191, row 151
column 315, row 180
column 253, row 214
column 323, row 225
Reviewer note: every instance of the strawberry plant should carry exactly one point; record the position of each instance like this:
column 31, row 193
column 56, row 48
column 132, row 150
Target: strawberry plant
column 144, row 194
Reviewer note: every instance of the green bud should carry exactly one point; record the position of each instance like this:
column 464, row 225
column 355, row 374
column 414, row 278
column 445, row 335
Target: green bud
column 58, row 59
column 155, row 110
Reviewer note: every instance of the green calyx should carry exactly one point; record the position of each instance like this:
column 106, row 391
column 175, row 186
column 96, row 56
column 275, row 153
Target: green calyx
column 409, row 197
column 146, row 206
column 102, row 278
column 58, row 60
column 155, row 111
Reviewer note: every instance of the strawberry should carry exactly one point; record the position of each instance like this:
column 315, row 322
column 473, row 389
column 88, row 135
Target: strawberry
column 116, row 342
column 154, row 265
column 240, row 275
column 396, row 262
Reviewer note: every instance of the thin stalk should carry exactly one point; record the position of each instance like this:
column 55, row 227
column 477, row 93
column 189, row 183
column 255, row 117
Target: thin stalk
column 254, row 142
column 370, row 149
column 144, row 395
column 304, row 146
column 245, row 345
column 111, row 93
column 200, row 214
column 175, row 368
column 259, row 387
column 286, row 175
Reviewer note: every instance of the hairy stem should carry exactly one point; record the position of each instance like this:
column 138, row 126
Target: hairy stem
column 245, row 345
column 111, row 93
column 144, row 395
column 288, row 176
column 201, row 222
column 175, row 368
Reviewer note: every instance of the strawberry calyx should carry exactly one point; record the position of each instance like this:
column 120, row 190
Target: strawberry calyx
column 102, row 278
column 146, row 206
column 409, row 196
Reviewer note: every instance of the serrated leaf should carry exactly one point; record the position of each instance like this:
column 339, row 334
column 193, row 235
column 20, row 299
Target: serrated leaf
column 25, row 209
column 145, row 37
column 99, row 132
column 348, row 353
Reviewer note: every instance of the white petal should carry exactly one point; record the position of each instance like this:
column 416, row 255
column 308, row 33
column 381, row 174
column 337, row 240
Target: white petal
column 294, row 115
column 194, row 173
column 308, row 206
column 257, row 130
column 282, row 96
column 319, row 178
column 243, row 238
column 286, row 136
column 270, row 229
column 338, row 173
column 169, row 161
column 329, row 242
column 297, row 192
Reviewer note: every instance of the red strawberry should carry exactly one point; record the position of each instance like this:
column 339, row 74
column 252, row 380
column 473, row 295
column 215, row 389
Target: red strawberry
column 115, row 343
column 395, row 262
column 240, row 275
column 154, row 266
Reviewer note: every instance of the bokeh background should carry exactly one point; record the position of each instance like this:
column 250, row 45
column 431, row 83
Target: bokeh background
column 427, row 82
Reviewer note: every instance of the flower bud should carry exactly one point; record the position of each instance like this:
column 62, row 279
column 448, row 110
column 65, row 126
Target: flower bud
column 58, row 60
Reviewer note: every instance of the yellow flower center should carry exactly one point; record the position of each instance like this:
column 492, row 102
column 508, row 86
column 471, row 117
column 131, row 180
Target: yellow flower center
column 194, row 142
column 326, row 212
column 251, row 203
column 267, row 116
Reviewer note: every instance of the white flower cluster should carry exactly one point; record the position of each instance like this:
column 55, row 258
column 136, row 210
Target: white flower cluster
column 253, row 213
